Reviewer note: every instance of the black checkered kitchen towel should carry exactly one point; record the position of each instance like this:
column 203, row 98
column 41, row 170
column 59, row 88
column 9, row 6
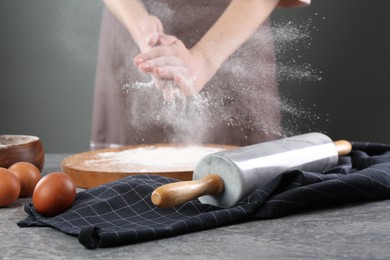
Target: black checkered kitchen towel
column 121, row 212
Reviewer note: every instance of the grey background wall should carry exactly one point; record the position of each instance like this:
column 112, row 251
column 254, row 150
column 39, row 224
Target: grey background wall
column 48, row 54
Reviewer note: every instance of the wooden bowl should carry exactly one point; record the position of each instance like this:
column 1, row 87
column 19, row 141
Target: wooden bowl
column 93, row 168
column 21, row 148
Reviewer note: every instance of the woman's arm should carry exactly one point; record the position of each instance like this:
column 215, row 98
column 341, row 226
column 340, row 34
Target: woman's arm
column 232, row 29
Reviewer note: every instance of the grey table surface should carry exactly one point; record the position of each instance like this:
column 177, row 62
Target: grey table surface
column 359, row 231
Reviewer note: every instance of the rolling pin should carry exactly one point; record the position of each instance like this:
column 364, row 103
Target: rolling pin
column 224, row 178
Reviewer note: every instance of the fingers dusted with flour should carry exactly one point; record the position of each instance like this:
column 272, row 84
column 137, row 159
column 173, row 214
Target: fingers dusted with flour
column 172, row 61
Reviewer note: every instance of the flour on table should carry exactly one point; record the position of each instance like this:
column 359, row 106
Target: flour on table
column 152, row 158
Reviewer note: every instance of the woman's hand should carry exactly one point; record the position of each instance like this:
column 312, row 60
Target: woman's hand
column 151, row 33
column 171, row 61
column 150, row 30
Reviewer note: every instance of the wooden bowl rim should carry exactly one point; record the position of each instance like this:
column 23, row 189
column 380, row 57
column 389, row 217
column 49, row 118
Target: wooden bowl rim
column 11, row 140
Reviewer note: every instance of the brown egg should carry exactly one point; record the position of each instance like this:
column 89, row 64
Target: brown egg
column 9, row 187
column 28, row 175
column 54, row 194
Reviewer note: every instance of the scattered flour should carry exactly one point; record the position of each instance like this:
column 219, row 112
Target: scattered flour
column 191, row 118
column 137, row 85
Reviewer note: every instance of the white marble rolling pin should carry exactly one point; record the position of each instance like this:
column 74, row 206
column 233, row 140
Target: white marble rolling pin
column 224, row 178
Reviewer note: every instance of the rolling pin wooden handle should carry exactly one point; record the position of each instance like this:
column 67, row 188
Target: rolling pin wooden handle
column 343, row 147
column 177, row 193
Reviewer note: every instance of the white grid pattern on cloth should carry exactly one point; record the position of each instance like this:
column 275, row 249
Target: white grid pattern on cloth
column 123, row 212
column 100, row 211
